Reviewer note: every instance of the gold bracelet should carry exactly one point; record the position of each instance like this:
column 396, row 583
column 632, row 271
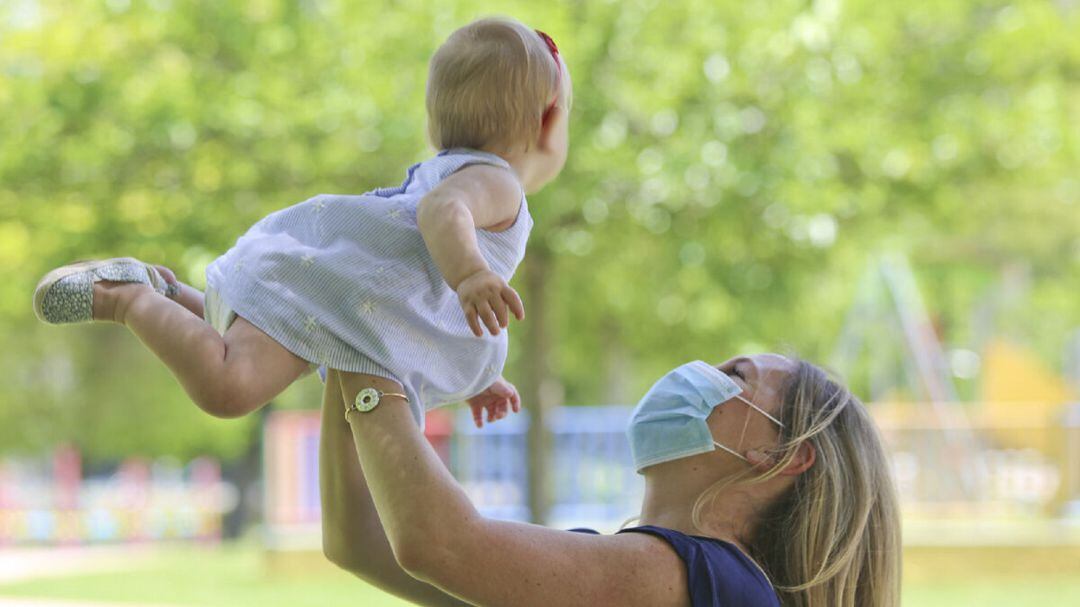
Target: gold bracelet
column 368, row 398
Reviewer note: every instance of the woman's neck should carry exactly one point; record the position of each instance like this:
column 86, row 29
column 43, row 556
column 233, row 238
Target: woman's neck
column 672, row 507
column 663, row 508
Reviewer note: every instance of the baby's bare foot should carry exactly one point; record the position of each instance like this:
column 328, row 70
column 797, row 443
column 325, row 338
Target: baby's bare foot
column 112, row 299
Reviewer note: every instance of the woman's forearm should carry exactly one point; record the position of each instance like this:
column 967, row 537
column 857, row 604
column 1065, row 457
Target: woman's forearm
column 423, row 509
column 438, row 536
column 353, row 537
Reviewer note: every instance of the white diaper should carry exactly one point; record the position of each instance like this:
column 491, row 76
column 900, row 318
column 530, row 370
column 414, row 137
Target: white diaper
column 218, row 314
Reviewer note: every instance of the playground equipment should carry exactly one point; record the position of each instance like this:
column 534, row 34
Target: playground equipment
column 291, row 474
column 907, row 357
column 1004, row 452
column 51, row 503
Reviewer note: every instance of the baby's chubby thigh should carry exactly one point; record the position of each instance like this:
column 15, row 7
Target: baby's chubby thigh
column 255, row 369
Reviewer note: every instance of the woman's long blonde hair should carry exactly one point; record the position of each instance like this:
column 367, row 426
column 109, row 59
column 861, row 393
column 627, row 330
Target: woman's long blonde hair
column 833, row 539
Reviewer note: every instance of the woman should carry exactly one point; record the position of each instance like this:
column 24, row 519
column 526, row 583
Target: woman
column 766, row 483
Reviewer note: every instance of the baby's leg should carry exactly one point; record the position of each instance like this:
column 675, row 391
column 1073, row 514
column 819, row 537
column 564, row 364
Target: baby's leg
column 226, row 376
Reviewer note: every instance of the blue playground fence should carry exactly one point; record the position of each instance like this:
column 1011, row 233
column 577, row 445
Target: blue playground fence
column 594, row 483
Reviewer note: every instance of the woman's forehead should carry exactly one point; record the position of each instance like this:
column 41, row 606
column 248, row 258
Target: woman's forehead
column 773, row 365
column 763, row 365
column 764, row 373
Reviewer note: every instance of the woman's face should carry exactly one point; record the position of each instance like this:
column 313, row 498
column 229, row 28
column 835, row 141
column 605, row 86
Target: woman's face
column 737, row 425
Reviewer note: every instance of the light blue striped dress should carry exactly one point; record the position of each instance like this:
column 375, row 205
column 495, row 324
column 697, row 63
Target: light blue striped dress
column 347, row 282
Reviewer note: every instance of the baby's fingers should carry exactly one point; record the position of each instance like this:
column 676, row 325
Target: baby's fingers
column 496, row 411
column 478, row 416
column 510, row 296
column 500, row 311
column 473, row 318
column 488, row 316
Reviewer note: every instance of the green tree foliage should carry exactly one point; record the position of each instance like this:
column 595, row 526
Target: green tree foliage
column 733, row 166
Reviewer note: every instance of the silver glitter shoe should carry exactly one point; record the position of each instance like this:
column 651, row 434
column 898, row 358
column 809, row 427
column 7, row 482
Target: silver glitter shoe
column 66, row 294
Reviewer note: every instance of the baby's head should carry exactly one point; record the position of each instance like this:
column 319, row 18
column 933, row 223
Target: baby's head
column 498, row 86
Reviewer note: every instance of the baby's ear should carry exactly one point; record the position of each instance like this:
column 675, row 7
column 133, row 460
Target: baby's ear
column 548, row 122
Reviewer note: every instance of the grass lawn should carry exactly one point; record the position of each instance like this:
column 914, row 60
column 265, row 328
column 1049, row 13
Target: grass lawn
column 238, row 575
column 995, row 592
column 225, row 576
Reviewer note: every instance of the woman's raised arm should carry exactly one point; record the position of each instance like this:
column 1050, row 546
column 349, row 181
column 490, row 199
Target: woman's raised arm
column 438, row 536
column 353, row 537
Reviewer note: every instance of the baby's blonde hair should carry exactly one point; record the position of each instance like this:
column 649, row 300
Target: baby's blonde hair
column 489, row 85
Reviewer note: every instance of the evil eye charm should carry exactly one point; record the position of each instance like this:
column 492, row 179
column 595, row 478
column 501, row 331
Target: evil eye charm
column 367, row 399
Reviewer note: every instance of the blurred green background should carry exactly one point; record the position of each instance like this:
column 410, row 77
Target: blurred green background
column 734, row 169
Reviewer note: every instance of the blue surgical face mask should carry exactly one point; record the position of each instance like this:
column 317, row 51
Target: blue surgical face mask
column 669, row 421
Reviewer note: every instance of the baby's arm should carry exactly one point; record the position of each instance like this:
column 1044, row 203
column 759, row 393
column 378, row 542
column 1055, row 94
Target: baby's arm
column 478, row 196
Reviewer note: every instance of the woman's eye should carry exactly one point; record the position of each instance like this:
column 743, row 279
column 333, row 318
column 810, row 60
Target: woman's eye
column 735, row 371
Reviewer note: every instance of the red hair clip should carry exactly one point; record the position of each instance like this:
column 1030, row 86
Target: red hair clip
column 551, row 43
column 551, row 46
column 558, row 71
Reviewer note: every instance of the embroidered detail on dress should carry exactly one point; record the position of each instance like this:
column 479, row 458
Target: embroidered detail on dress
column 394, row 213
column 318, row 205
column 367, row 307
column 310, row 324
column 307, row 260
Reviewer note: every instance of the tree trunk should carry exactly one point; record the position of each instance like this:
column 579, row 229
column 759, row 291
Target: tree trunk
column 539, row 390
column 617, row 365
column 246, row 472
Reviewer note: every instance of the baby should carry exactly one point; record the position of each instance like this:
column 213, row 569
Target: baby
column 397, row 283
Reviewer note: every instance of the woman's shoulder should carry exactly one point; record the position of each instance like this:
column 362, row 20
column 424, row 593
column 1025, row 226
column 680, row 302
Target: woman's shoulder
column 718, row 573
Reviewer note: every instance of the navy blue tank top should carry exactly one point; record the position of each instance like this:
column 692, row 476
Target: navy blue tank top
column 717, row 573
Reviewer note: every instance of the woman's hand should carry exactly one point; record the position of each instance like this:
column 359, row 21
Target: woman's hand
column 498, row 400
column 484, row 298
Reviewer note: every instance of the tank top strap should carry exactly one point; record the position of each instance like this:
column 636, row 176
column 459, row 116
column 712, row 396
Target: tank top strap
column 423, row 176
column 429, row 173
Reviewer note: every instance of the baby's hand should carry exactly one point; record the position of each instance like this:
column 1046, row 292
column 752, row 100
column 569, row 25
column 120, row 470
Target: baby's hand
column 484, row 298
column 498, row 400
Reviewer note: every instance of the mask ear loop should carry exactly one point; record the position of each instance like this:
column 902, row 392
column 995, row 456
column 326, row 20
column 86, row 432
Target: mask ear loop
column 759, row 410
column 745, row 427
column 732, row 451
